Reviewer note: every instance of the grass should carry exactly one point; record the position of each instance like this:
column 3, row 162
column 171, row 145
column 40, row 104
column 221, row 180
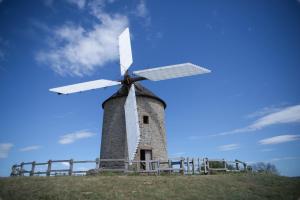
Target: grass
column 227, row 186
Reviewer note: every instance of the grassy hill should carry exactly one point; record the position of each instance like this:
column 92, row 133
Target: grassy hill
column 228, row 186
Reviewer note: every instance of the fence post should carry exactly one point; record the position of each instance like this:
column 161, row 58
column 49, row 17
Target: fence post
column 208, row 170
column 206, row 165
column 49, row 168
column 22, row 169
column 170, row 166
column 188, row 165
column 13, row 170
column 126, row 162
column 158, row 167
column 225, row 164
column 71, row 162
column 199, row 166
column 147, row 165
column 138, row 165
column 193, row 166
column 236, row 165
column 32, row 168
column 97, row 163
column 182, row 166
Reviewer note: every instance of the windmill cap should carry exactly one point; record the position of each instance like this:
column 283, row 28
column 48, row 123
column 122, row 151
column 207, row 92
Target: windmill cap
column 139, row 91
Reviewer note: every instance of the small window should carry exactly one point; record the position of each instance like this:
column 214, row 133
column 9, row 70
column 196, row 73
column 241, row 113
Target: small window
column 146, row 119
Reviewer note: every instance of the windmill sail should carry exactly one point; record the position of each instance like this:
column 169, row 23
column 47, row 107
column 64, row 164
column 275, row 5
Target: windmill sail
column 80, row 87
column 130, row 107
column 132, row 123
column 125, row 51
column 171, row 71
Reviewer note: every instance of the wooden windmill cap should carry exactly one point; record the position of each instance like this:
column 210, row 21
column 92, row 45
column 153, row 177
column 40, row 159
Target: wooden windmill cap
column 139, row 91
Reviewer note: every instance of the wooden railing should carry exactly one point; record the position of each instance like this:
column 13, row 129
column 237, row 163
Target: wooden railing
column 19, row 169
column 175, row 165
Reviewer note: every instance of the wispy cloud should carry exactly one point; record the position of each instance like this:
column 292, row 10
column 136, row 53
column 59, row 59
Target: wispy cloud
column 77, row 50
column 66, row 164
column 264, row 111
column 30, row 148
column 4, row 44
column 228, row 147
column 141, row 9
column 285, row 115
column 143, row 12
column 4, row 149
column 279, row 139
column 72, row 137
column 285, row 158
column 275, row 159
column 79, row 3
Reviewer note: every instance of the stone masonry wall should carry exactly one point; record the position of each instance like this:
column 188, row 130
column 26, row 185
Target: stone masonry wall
column 153, row 135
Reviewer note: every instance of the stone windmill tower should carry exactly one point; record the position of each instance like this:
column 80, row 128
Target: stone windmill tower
column 152, row 144
column 133, row 122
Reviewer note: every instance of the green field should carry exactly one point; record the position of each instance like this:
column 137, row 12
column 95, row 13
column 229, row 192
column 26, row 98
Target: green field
column 228, row 186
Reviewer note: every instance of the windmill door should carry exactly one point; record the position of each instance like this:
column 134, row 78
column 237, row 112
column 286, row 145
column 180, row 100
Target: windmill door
column 146, row 155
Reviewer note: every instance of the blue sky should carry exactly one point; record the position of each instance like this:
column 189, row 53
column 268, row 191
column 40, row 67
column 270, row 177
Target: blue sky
column 248, row 107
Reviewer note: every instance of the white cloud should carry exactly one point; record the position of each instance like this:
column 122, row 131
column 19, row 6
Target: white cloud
column 79, row 3
column 79, row 51
column 228, row 147
column 279, row 139
column 142, row 11
column 66, row 164
column 285, row 115
column 72, row 137
column 4, row 149
column 275, row 159
column 264, row 111
column 284, row 158
column 30, row 148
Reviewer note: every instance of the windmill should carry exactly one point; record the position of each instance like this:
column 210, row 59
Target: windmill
column 121, row 133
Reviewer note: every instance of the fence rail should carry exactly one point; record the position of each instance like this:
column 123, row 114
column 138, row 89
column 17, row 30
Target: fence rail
column 180, row 165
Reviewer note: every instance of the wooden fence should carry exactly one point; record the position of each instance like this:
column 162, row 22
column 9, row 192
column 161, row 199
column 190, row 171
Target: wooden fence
column 180, row 165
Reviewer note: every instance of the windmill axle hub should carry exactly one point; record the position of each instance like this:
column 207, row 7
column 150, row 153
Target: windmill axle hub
column 129, row 80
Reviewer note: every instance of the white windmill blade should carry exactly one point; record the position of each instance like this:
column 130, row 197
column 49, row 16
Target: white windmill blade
column 132, row 123
column 125, row 51
column 171, row 71
column 80, row 87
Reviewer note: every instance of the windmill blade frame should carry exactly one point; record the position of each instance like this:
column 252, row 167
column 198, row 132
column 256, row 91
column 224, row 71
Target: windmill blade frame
column 129, row 88
column 171, row 71
column 125, row 51
column 85, row 86
column 132, row 123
